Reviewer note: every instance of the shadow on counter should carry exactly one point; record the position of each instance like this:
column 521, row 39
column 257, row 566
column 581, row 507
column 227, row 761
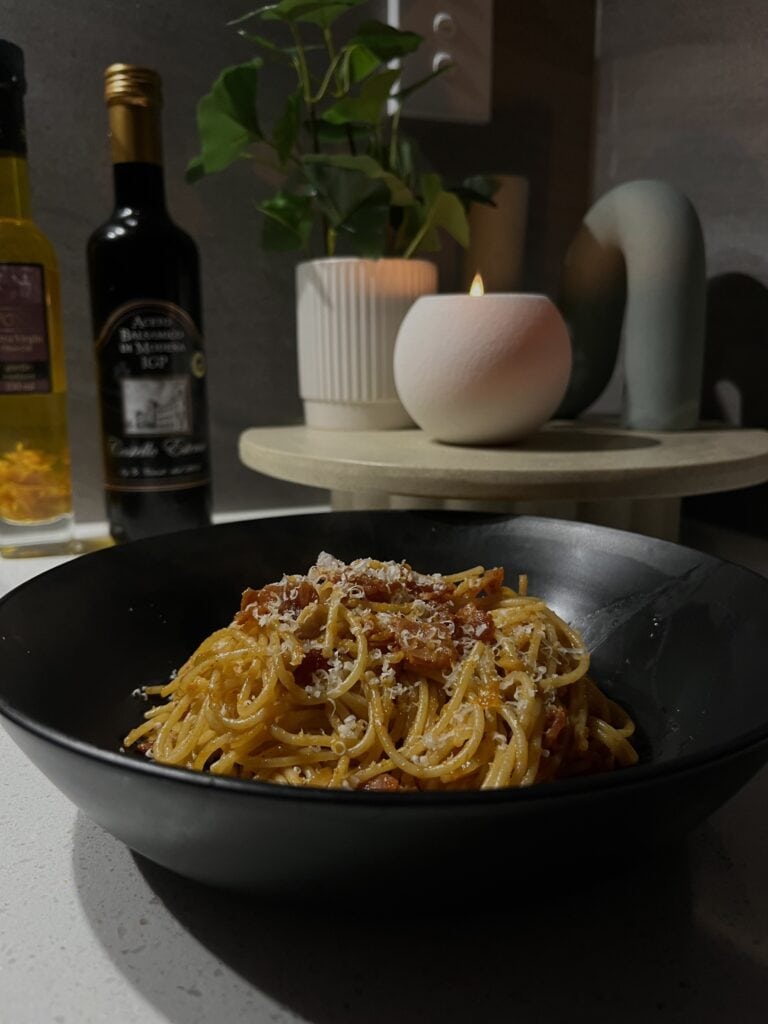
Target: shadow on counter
column 629, row 943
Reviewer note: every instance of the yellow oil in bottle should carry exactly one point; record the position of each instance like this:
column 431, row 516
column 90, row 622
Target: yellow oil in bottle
column 35, row 489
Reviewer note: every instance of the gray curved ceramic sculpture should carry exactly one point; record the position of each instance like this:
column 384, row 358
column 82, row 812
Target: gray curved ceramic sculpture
column 638, row 259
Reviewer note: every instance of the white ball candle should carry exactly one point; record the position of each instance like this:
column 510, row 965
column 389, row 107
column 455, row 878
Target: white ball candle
column 482, row 369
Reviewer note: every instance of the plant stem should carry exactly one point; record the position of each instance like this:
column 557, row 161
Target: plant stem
column 393, row 161
column 420, row 234
column 329, row 240
column 334, row 58
column 415, row 242
column 313, row 129
column 329, row 236
column 302, row 68
column 329, row 74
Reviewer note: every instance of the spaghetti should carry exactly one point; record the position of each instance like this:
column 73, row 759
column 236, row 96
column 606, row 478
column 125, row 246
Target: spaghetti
column 370, row 675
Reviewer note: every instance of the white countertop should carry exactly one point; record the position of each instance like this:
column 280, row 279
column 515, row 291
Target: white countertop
column 91, row 933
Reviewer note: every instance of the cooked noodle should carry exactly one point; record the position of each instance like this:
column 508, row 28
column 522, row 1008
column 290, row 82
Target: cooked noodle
column 374, row 676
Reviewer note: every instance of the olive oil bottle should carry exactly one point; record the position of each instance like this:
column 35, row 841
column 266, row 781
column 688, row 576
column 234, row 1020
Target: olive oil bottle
column 35, row 488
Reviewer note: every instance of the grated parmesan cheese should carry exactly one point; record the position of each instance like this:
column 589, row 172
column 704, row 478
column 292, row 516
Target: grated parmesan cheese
column 350, row 728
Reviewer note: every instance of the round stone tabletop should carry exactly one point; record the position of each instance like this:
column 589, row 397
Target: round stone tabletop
column 564, row 461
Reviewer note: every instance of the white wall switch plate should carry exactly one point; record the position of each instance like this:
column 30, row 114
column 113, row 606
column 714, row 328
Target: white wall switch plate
column 457, row 32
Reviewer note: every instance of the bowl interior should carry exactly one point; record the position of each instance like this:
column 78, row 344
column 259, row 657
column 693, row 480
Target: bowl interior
column 677, row 636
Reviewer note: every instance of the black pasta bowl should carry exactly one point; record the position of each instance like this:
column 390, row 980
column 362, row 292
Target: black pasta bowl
column 677, row 637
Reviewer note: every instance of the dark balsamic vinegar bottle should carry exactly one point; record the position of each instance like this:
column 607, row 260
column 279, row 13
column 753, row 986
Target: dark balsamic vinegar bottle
column 145, row 301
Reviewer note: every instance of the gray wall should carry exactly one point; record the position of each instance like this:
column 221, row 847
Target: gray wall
column 682, row 96
column 682, row 88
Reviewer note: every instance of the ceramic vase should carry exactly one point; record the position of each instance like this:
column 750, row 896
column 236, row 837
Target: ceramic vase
column 349, row 311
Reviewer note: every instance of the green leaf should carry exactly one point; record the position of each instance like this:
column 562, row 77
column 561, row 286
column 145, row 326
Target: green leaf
column 416, row 230
column 227, row 121
column 480, row 188
column 368, row 107
column 366, row 229
column 441, row 210
column 354, row 110
column 449, row 214
column 410, row 227
column 235, row 94
column 195, row 170
column 431, row 187
column 314, row 12
column 386, row 42
column 286, row 130
column 358, row 63
column 484, row 186
column 404, row 158
column 326, row 14
column 339, row 191
column 417, row 233
column 399, row 193
column 287, row 222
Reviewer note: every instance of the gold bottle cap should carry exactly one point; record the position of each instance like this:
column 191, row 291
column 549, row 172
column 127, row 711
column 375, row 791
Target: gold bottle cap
column 132, row 85
column 134, row 98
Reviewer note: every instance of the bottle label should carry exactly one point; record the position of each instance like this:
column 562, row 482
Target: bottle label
column 25, row 365
column 152, row 384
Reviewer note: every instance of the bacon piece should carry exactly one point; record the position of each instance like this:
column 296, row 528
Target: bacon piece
column 476, row 623
column 313, row 660
column 429, row 588
column 299, row 595
column 556, row 721
column 424, row 643
column 384, row 783
column 489, row 583
column 391, row 583
column 374, row 588
column 293, row 594
column 250, row 596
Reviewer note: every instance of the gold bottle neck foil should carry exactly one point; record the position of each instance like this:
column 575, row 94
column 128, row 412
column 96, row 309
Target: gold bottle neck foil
column 134, row 97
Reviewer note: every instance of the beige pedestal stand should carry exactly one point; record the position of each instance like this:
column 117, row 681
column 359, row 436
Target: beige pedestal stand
column 597, row 473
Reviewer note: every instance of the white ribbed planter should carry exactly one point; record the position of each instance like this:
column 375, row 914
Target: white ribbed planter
column 348, row 314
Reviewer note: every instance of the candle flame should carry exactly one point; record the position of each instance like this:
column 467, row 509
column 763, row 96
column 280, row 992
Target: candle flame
column 476, row 288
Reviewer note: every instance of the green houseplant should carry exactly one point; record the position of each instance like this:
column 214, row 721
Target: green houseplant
column 350, row 185
column 337, row 145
